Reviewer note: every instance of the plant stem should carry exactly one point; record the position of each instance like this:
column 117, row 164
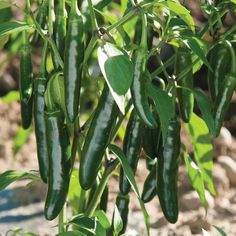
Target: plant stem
column 61, row 228
column 51, row 17
column 92, row 15
column 98, row 193
column 89, row 49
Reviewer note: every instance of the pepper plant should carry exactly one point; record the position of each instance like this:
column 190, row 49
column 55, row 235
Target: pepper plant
column 78, row 111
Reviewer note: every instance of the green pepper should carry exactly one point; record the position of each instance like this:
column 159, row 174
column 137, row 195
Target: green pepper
column 74, row 52
column 225, row 93
column 149, row 187
column 219, row 61
column 39, row 121
column 122, row 203
column 132, row 148
column 138, row 91
column 223, row 100
column 97, row 138
column 41, row 20
column 25, row 83
column 60, row 30
column 185, row 96
column 59, row 163
column 167, row 172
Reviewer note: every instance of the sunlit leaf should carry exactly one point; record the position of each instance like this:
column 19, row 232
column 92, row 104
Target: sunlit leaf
column 117, row 221
column 202, row 147
column 13, row 26
column 12, row 96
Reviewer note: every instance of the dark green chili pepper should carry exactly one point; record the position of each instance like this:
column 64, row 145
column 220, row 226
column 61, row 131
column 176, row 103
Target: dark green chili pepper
column 59, row 163
column 39, row 121
column 104, row 199
column 41, row 20
column 74, row 50
column 149, row 187
column 97, row 138
column 167, row 172
column 138, row 91
column 185, row 96
column 223, row 100
column 225, row 93
column 219, row 61
column 131, row 148
column 60, row 30
column 122, row 203
column 25, row 83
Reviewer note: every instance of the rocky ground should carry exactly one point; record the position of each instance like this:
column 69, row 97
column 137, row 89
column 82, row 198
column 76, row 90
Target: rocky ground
column 22, row 207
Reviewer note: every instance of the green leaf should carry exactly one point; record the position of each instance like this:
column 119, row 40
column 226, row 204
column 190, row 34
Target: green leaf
column 197, row 46
column 221, row 231
column 202, row 147
column 74, row 191
column 233, row 1
column 179, row 10
column 71, row 233
column 99, row 230
column 103, row 219
column 129, row 174
column 164, row 106
column 196, row 178
column 11, row 176
column 205, row 108
column 4, row 4
column 13, row 26
column 12, row 96
column 84, row 222
column 117, row 70
column 117, row 221
column 20, row 139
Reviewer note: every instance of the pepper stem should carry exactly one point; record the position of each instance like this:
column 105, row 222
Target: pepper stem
column 42, row 68
column 143, row 42
column 98, row 193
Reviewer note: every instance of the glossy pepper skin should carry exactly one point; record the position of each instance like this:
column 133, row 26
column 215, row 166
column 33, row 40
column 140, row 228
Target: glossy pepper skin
column 132, row 148
column 41, row 20
column 25, row 83
column 60, row 30
column 59, row 164
column 39, row 121
column 122, row 203
column 149, row 187
column 185, row 97
column 97, row 139
column 138, row 92
column 167, row 172
column 219, row 61
column 223, row 100
column 74, row 50
column 40, row 126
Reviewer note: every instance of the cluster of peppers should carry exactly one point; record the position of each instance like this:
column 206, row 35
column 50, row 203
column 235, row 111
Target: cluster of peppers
column 51, row 118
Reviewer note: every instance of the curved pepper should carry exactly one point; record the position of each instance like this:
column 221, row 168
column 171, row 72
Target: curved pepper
column 39, row 121
column 138, row 91
column 219, row 61
column 149, row 187
column 25, row 83
column 185, row 97
column 167, row 172
column 59, row 164
column 74, row 52
column 223, row 100
column 97, row 138
column 131, row 148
